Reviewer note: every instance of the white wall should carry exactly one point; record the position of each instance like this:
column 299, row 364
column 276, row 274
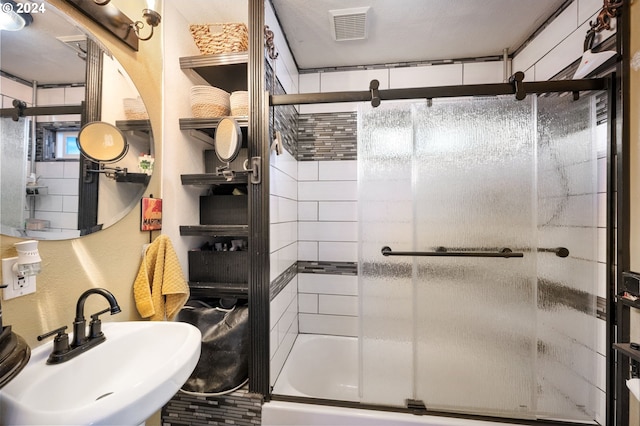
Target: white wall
column 283, row 218
column 561, row 43
column 180, row 153
column 10, row 90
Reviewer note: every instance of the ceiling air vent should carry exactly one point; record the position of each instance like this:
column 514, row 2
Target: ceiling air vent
column 349, row 24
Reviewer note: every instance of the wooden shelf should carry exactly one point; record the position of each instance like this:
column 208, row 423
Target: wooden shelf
column 215, row 230
column 228, row 71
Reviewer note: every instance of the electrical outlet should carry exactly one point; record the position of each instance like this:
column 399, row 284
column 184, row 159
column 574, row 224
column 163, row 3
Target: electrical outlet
column 16, row 286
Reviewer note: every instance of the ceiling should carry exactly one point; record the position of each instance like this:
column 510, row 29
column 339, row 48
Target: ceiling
column 35, row 54
column 398, row 31
column 411, row 30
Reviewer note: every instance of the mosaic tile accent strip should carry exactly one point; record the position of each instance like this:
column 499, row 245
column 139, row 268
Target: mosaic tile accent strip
column 327, row 136
column 286, row 116
column 281, row 281
column 332, row 268
column 238, row 408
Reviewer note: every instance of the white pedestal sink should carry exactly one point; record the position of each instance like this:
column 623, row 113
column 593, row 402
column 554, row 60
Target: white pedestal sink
column 122, row 381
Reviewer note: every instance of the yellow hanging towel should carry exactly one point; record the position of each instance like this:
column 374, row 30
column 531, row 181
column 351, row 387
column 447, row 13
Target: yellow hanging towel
column 160, row 290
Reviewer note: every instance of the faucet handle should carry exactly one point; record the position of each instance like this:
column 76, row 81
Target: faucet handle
column 95, row 326
column 59, row 331
column 61, row 341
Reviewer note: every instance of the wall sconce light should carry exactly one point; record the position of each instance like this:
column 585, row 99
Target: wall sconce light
column 151, row 17
column 18, row 273
column 104, row 13
column 11, row 18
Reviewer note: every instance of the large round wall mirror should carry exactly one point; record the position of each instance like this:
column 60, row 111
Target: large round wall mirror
column 53, row 186
column 102, row 142
column 228, row 139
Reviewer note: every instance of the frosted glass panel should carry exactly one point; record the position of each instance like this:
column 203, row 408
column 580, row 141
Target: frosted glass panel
column 13, row 172
column 474, row 176
column 567, row 217
column 385, row 150
column 510, row 337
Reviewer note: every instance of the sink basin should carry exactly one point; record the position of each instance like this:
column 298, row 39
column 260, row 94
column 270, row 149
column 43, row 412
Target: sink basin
column 122, row 381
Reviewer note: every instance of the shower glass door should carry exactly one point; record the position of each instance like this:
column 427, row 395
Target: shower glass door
column 13, row 171
column 446, row 321
column 475, row 317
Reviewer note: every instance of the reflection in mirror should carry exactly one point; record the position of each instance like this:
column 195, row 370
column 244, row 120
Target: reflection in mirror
column 102, row 142
column 228, row 139
column 47, row 192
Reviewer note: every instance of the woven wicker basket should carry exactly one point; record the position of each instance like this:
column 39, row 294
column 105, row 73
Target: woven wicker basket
column 134, row 109
column 239, row 102
column 209, row 110
column 220, row 38
column 208, row 101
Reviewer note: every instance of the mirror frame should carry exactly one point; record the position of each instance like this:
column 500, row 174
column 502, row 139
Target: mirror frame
column 90, row 111
column 91, row 133
column 231, row 134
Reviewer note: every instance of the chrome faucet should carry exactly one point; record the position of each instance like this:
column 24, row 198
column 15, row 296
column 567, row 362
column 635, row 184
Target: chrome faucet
column 62, row 350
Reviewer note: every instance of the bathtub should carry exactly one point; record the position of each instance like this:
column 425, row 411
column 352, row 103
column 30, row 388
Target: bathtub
column 335, row 368
column 280, row 413
column 326, row 367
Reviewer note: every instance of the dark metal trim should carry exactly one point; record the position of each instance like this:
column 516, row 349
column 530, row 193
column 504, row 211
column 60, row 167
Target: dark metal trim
column 110, row 18
column 558, row 251
column 48, row 110
column 258, row 146
column 621, row 246
column 610, row 336
column 88, row 191
column 443, row 252
column 537, row 87
column 373, row 408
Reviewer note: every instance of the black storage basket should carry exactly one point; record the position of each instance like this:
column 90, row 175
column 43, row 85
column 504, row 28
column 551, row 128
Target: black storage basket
column 224, row 356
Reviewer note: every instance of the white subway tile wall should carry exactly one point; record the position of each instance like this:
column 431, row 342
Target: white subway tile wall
column 10, row 90
column 60, row 206
column 426, row 76
column 326, row 200
column 328, row 232
column 283, row 246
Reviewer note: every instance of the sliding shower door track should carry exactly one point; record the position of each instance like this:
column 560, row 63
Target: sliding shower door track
column 516, row 86
column 391, row 409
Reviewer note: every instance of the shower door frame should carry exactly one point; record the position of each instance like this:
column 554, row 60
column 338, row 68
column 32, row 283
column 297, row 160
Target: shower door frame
column 518, row 87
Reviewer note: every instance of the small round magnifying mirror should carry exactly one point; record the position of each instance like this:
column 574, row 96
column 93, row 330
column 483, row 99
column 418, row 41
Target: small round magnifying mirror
column 102, row 142
column 228, row 139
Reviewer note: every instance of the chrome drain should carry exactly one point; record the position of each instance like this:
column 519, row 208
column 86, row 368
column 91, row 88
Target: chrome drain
column 103, row 396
